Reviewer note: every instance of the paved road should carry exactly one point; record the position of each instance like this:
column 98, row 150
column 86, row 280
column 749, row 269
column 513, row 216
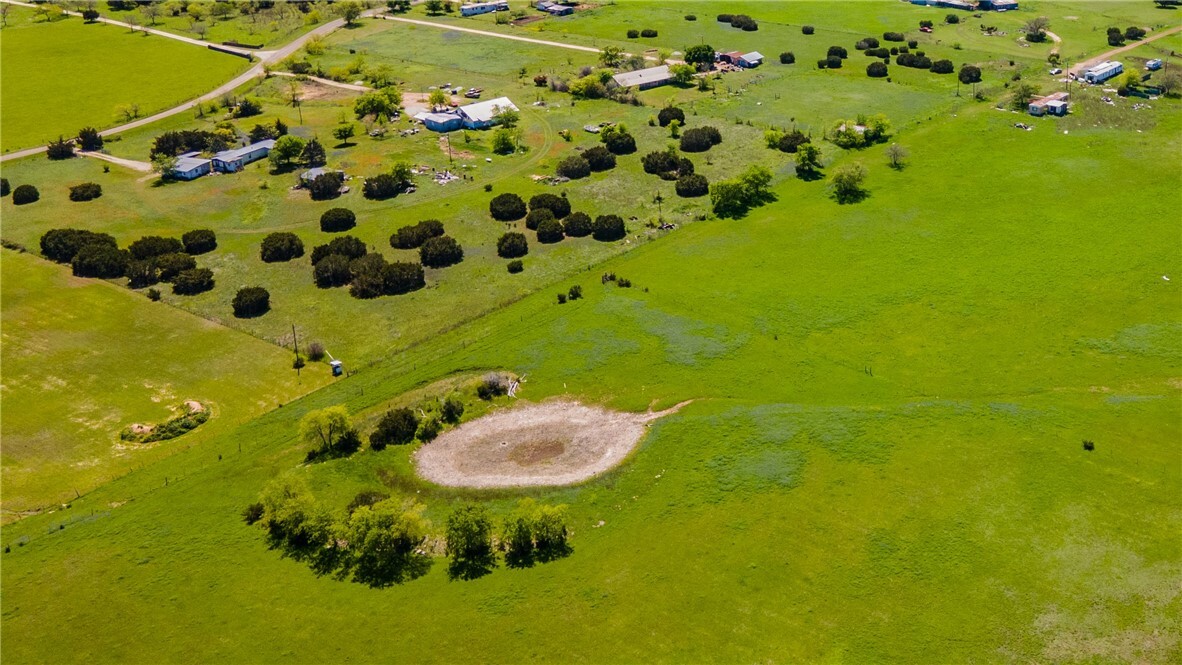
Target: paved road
column 268, row 57
column 1107, row 55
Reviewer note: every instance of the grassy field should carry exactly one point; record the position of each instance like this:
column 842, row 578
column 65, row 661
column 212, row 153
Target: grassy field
column 84, row 359
column 270, row 27
column 59, row 77
column 883, row 460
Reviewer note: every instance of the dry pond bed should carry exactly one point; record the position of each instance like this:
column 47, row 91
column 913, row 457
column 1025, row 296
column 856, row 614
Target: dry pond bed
column 559, row 442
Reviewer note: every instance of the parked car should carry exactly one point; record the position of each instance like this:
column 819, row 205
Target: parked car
column 1056, row 71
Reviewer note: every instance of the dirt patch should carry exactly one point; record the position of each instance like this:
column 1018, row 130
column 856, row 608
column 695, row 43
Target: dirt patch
column 137, row 428
column 456, row 153
column 553, row 443
column 312, row 91
column 194, row 406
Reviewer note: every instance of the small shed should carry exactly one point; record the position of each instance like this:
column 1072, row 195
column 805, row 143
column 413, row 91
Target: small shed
column 338, row 368
column 748, row 60
column 312, row 174
column 731, row 57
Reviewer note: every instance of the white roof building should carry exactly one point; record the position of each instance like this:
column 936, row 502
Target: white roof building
column 486, row 111
column 645, row 78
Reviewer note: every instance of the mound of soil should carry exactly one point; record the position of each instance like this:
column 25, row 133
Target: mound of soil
column 553, row 443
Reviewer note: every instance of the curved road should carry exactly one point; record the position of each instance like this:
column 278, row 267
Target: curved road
column 267, row 57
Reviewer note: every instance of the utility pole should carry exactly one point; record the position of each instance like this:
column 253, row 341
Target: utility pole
column 660, row 212
column 295, row 346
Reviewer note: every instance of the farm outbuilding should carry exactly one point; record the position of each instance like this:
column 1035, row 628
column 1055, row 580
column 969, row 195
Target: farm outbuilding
column 554, row 8
column 440, row 122
column 1053, row 104
column 748, row 60
column 230, row 161
column 484, row 8
column 644, row 78
column 190, row 166
column 1103, row 71
column 998, row 5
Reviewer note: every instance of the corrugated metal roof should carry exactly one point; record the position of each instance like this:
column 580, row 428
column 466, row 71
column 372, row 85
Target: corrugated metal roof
column 486, row 111
column 230, row 155
column 643, row 76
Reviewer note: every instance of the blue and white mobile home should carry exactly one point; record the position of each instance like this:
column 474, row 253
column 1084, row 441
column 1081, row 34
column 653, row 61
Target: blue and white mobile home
column 231, row 161
column 484, row 8
column 1103, row 71
column 190, row 166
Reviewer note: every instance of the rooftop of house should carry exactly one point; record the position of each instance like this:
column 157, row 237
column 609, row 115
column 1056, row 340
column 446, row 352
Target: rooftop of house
column 188, row 162
column 487, row 110
column 642, row 76
column 227, row 155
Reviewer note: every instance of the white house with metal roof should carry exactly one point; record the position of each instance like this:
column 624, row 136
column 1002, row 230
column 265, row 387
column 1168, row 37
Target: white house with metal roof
column 644, row 78
column 229, row 161
column 484, row 114
column 190, row 166
column 752, row 59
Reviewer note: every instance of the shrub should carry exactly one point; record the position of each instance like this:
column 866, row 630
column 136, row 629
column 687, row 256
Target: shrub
column 251, row 301
column 893, row 36
column 399, row 278
column 619, row 142
column 669, row 114
column 382, row 186
column 413, row 236
column 25, row 194
column 506, row 207
column 691, row 17
column 100, row 260
column 633, row 34
column 194, row 281
column 608, row 228
column 335, row 220
column 575, row 292
column 550, row 231
column 913, row 43
column 4, row 187
column 876, row 70
column 787, row 58
column 692, row 185
column 154, row 295
column 744, row 22
column 942, row 67
column 429, row 429
column 725, row 18
column 661, row 161
column 833, row 62
column 561, row 298
column 87, row 191
column 821, row 64
column 574, row 167
column 332, row 271
column 440, row 252
column 396, row 428
column 700, row 139
column 515, row 267
column 61, row 245
column 536, row 217
column 952, row 19
column 282, row 246
column 316, row 352
column 807, row 29
column 492, row 385
column 871, row 42
column 59, row 149
column 599, row 158
column 349, row 247
column 168, row 266
column 199, row 241
column 838, row 51
column 151, row 246
column 648, row 33
column 555, row 204
column 325, row 186
column 577, row 225
column 512, row 245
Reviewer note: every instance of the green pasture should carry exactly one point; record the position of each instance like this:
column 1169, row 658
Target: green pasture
column 883, row 458
column 83, row 359
column 883, row 461
column 273, row 27
column 59, row 77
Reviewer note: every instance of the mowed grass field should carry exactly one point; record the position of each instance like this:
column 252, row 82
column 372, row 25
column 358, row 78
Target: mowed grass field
column 883, row 462
column 59, row 77
column 84, row 359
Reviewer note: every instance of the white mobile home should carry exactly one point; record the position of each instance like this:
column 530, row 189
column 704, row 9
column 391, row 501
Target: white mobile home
column 1103, row 71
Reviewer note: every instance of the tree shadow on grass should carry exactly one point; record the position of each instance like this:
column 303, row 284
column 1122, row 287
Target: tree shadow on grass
column 394, row 569
column 809, row 176
column 856, row 196
column 471, row 568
